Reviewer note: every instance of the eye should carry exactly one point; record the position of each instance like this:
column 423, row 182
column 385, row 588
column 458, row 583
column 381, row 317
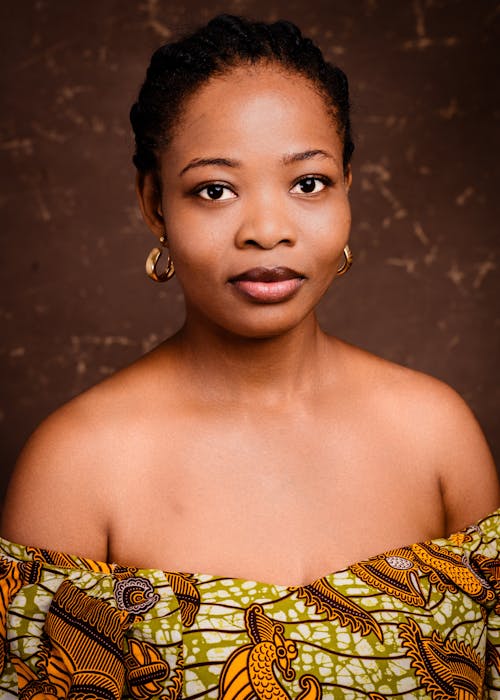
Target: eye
column 312, row 184
column 215, row 192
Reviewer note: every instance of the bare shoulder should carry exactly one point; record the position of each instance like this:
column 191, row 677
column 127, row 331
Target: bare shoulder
column 437, row 421
column 64, row 483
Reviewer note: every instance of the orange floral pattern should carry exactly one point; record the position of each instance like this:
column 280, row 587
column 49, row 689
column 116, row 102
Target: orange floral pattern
column 421, row 621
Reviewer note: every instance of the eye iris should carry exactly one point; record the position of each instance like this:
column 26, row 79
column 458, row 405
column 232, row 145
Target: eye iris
column 308, row 184
column 215, row 191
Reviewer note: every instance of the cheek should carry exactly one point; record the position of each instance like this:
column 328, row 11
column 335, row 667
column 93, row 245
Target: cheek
column 342, row 212
column 195, row 240
column 199, row 257
column 332, row 233
column 199, row 251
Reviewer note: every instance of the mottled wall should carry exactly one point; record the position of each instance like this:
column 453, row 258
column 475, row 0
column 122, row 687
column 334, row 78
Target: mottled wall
column 75, row 302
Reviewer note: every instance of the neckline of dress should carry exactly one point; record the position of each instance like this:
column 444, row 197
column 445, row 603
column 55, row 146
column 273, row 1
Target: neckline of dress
column 100, row 567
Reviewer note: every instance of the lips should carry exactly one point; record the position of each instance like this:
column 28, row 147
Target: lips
column 267, row 274
column 268, row 285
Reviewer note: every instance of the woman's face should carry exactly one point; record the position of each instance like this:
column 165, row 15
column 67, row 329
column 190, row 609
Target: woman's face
column 254, row 201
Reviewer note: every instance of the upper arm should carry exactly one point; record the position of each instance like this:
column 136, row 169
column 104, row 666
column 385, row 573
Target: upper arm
column 54, row 498
column 467, row 473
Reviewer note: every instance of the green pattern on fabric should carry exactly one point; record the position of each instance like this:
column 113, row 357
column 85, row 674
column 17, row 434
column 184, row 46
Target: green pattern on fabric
column 421, row 621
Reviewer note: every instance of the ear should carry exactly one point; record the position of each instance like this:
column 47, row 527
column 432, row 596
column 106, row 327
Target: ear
column 348, row 178
column 149, row 195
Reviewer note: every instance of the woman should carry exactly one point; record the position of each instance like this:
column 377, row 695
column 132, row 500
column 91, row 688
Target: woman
column 251, row 444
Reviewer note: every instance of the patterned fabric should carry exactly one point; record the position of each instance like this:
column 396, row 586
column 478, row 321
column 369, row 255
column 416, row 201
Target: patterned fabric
column 421, row 621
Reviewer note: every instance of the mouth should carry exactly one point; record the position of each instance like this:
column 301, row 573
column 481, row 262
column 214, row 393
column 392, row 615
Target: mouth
column 268, row 285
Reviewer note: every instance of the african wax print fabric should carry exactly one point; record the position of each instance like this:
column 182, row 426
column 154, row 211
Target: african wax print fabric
column 421, row 621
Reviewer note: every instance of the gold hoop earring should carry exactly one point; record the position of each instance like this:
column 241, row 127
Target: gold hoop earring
column 347, row 262
column 152, row 261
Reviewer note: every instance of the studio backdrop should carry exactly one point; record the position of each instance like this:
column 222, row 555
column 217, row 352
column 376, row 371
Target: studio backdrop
column 76, row 304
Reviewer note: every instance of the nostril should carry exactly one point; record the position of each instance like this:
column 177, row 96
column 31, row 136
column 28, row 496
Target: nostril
column 265, row 233
column 261, row 243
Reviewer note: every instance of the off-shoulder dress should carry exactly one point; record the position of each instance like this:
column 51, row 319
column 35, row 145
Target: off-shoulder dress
column 421, row 621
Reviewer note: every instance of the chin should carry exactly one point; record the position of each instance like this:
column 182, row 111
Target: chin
column 254, row 329
column 252, row 321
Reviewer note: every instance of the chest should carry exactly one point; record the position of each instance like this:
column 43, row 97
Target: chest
column 284, row 505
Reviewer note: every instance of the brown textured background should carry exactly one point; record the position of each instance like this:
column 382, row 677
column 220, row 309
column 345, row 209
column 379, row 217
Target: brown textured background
column 424, row 290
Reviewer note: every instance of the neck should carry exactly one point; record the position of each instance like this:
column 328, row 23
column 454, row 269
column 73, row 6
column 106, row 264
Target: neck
column 228, row 367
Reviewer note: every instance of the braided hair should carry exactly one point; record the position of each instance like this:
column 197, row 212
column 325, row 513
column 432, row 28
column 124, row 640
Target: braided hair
column 177, row 69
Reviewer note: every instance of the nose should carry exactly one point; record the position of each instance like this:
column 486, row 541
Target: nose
column 265, row 224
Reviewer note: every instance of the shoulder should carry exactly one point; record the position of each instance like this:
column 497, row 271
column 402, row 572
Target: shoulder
column 442, row 430
column 65, row 481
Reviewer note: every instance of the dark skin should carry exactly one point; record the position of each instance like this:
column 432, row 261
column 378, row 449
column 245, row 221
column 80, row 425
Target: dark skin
column 251, row 444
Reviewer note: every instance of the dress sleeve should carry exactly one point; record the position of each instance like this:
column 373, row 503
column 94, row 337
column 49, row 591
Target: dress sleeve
column 492, row 681
column 75, row 627
column 486, row 559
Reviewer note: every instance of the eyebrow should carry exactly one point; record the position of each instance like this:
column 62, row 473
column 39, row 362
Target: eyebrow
column 201, row 162
column 305, row 155
column 230, row 163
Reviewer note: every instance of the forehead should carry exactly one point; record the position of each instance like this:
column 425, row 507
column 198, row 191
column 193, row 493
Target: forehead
column 256, row 109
